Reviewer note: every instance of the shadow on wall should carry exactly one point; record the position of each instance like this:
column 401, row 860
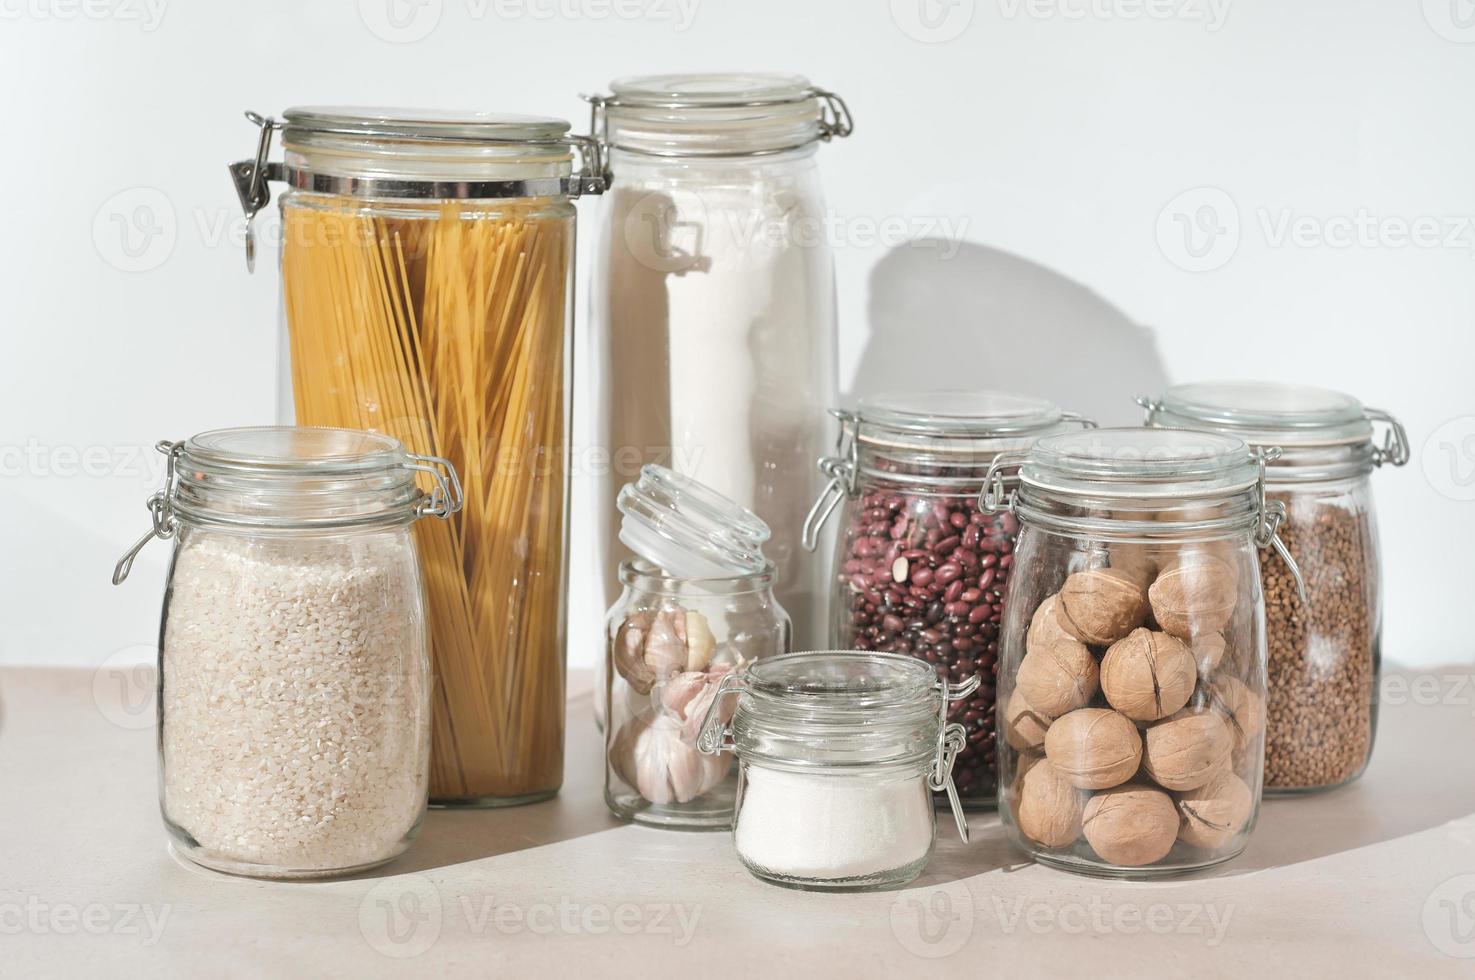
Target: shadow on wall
column 981, row 318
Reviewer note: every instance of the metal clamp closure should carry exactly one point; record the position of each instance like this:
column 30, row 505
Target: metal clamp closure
column 715, row 736
column 447, row 498
column 1395, row 449
column 160, row 509
column 841, row 469
column 951, row 739
column 1272, row 516
column 994, row 497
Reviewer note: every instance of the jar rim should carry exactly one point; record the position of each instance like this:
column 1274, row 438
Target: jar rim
column 714, row 114
column 838, row 709
column 646, row 576
column 1140, row 463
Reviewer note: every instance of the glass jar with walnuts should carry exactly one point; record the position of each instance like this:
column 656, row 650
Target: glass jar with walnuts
column 1324, row 652
column 1131, row 688
column 918, row 569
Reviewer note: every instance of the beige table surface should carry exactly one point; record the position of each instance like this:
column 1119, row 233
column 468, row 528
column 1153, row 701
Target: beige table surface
column 1374, row 880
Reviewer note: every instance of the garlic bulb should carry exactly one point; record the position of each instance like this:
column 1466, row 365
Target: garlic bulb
column 650, row 754
column 650, row 646
column 689, row 695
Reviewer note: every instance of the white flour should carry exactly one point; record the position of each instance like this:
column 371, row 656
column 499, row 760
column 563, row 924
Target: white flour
column 828, row 825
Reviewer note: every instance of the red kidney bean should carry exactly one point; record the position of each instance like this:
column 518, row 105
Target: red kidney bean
column 944, row 610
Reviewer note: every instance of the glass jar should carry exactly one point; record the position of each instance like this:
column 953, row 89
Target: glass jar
column 918, row 568
column 1325, row 652
column 713, row 300
column 839, row 755
column 427, row 276
column 1131, row 692
column 294, row 672
column 697, row 606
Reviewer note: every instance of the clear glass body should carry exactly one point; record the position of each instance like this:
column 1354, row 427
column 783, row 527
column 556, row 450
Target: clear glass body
column 1138, row 751
column 834, row 828
column 669, row 644
column 447, row 324
column 1324, row 654
column 715, row 343
column 294, row 699
column 919, row 569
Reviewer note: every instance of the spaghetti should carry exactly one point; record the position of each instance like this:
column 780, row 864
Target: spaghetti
column 445, row 326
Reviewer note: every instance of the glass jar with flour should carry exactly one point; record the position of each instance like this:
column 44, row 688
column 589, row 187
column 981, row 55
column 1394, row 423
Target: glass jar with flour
column 839, row 754
column 713, row 301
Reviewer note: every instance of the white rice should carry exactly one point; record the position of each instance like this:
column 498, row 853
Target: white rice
column 296, row 714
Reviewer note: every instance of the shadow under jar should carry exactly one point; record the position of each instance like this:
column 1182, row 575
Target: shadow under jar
column 294, row 671
column 918, row 568
column 1132, row 666
column 839, row 754
column 1325, row 651
column 427, row 281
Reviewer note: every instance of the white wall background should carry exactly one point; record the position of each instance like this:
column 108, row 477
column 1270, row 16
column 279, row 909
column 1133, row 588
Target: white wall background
column 1055, row 146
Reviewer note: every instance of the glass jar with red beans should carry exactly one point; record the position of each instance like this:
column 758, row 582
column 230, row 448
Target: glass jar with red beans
column 919, row 569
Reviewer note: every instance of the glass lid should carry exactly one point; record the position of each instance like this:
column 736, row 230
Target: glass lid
column 687, row 529
column 825, row 682
column 977, row 414
column 1267, row 413
column 1140, row 462
column 697, row 89
column 294, row 448
column 416, row 124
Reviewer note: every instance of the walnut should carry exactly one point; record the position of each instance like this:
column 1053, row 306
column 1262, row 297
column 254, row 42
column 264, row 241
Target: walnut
column 1134, row 561
column 1243, row 709
column 1058, row 674
column 1024, row 727
column 1101, row 606
column 1131, row 825
column 1148, row 675
column 1215, row 812
column 1049, row 810
column 1188, row 749
column 1194, row 596
column 1094, row 748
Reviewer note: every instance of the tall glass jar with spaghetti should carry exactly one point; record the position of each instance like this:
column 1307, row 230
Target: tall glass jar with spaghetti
column 427, row 265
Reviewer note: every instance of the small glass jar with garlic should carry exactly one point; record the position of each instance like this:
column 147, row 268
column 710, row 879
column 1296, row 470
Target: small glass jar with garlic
column 1132, row 670
column 696, row 606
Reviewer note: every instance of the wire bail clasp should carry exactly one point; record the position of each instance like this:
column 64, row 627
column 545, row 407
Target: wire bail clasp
column 447, row 498
column 995, row 496
column 250, row 178
column 841, row 469
column 1272, row 516
column 951, row 740
column 161, row 511
column 715, row 737
column 1395, row 449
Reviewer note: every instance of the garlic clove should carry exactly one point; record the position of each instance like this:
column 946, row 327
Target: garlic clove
column 650, row 755
column 700, row 643
column 665, row 649
column 629, row 651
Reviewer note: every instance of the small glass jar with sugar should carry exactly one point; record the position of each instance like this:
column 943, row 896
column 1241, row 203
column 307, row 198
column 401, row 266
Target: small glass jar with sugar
column 839, row 754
